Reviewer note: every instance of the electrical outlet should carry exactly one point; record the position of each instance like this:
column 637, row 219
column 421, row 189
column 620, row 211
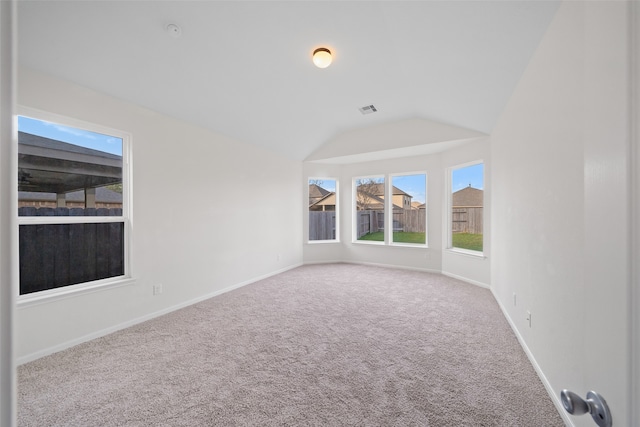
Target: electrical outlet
column 157, row 289
column 514, row 299
column 529, row 317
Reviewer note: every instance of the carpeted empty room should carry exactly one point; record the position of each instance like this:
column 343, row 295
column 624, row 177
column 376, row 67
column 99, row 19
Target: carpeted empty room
column 319, row 345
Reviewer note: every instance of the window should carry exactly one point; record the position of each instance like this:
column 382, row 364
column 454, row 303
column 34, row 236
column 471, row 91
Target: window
column 467, row 204
column 73, row 211
column 369, row 208
column 409, row 218
column 323, row 201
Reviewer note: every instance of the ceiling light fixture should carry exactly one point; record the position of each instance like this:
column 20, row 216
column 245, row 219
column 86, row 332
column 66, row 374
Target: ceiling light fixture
column 322, row 57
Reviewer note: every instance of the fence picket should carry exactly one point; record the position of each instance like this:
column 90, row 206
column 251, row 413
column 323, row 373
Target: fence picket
column 467, row 219
column 63, row 257
column 29, row 259
column 116, row 248
column 56, row 255
column 322, row 225
column 103, row 237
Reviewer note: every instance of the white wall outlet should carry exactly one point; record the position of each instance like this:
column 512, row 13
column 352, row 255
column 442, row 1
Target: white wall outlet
column 157, row 289
column 514, row 299
column 529, row 317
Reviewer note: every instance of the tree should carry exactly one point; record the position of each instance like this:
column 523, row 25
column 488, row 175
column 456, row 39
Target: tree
column 115, row 187
column 366, row 190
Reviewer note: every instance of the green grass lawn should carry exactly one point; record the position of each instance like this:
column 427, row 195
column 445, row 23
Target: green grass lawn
column 469, row 241
column 398, row 237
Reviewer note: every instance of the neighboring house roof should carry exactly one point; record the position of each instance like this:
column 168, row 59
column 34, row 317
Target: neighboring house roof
column 417, row 205
column 103, row 195
column 397, row 191
column 328, row 200
column 376, row 203
column 378, row 190
column 468, row 196
column 317, row 192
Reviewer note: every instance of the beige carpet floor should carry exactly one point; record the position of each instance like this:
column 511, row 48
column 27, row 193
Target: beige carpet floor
column 320, row 345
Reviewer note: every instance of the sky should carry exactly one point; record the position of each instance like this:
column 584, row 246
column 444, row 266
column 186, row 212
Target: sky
column 471, row 175
column 414, row 185
column 71, row 135
column 327, row 184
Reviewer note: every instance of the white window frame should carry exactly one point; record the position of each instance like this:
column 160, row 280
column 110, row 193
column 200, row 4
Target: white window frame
column 337, row 210
column 354, row 210
column 127, row 197
column 449, row 209
column 389, row 206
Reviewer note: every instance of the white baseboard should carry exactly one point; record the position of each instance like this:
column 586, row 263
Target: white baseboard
column 464, row 279
column 402, row 267
column 337, row 261
column 97, row 334
column 399, row 267
column 555, row 398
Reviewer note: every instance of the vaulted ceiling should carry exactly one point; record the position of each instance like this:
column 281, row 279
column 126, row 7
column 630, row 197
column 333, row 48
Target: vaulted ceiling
column 244, row 68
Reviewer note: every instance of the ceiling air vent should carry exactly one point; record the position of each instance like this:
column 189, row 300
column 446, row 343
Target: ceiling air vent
column 367, row 109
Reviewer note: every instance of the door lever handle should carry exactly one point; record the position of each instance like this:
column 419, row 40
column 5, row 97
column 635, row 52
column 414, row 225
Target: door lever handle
column 594, row 405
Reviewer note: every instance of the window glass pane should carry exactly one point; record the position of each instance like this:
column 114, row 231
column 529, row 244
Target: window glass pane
column 467, row 205
column 65, row 167
column 66, row 172
column 322, row 209
column 56, row 255
column 369, row 196
column 409, row 208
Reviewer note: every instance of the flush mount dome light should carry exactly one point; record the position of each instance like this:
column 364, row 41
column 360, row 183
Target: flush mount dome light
column 322, row 57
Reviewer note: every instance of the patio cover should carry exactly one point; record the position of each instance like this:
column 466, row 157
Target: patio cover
column 51, row 166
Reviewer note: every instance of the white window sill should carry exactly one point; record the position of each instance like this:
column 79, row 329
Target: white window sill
column 391, row 245
column 56, row 294
column 320, row 242
column 368, row 242
column 409, row 245
column 467, row 252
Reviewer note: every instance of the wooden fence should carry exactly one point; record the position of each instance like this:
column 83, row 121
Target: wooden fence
column 467, row 220
column 409, row 220
column 369, row 222
column 322, row 225
column 413, row 220
column 46, row 211
column 56, row 255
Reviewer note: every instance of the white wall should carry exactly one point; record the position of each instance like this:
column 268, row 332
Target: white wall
column 209, row 213
column 475, row 269
column 434, row 258
column 560, row 220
